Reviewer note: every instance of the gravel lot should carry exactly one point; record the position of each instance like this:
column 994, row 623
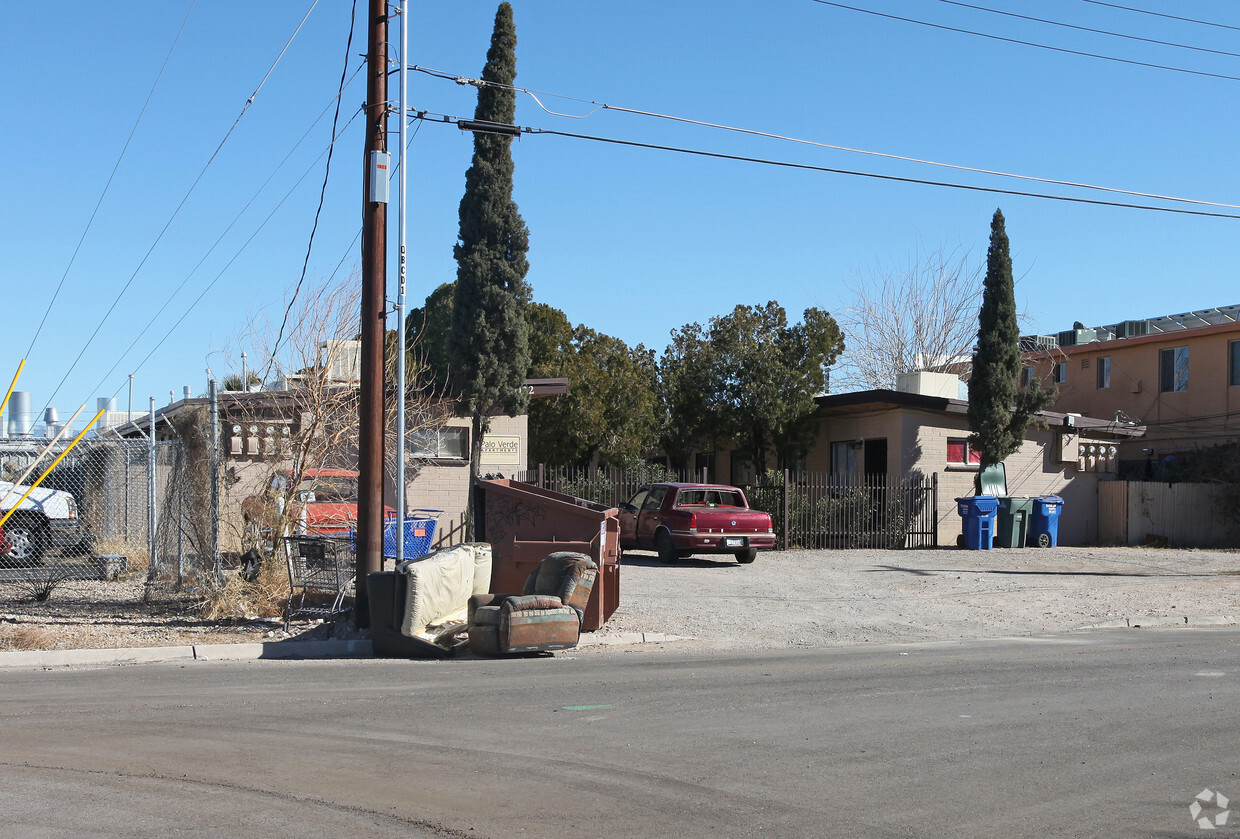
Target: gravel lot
column 829, row 598
column 783, row 600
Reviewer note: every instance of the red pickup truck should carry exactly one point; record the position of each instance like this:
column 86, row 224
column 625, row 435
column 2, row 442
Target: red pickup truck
column 679, row 520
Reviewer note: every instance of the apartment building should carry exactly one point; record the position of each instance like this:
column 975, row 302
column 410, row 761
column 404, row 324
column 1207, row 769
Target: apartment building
column 1177, row 375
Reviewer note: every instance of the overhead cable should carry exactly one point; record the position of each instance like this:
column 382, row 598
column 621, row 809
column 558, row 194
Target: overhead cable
column 179, row 206
column 327, row 171
column 234, row 258
column 1116, row 59
column 219, row 239
column 752, row 132
column 1089, row 29
column 509, row 129
column 1163, row 15
column 106, row 186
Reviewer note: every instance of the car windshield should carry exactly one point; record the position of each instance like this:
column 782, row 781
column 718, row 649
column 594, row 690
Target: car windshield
column 329, row 489
column 709, row 498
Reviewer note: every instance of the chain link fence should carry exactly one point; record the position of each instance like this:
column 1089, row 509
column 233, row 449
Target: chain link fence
column 110, row 507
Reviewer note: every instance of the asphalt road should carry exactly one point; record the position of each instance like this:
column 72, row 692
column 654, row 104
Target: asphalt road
column 1102, row 734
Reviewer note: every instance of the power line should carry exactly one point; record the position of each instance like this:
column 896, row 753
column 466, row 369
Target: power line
column 180, row 206
column 1163, row 15
column 322, row 192
column 499, row 128
column 234, row 258
column 752, row 132
column 224, row 234
column 106, row 186
column 1089, row 29
column 1031, row 43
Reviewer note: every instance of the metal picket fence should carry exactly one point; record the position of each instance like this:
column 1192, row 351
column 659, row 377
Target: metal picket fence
column 810, row 510
column 99, row 515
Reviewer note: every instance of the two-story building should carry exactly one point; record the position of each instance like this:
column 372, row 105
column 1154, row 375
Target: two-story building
column 1177, row 375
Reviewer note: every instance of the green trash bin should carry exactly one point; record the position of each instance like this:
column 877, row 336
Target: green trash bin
column 1012, row 527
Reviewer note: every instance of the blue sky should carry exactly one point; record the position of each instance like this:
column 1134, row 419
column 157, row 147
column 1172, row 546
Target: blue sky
column 631, row 242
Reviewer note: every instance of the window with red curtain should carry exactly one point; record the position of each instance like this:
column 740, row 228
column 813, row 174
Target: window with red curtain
column 959, row 452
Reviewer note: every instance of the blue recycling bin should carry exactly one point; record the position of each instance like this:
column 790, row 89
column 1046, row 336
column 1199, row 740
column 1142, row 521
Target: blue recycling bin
column 978, row 515
column 1044, row 526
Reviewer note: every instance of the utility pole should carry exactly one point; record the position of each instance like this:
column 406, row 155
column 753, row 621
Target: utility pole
column 374, row 314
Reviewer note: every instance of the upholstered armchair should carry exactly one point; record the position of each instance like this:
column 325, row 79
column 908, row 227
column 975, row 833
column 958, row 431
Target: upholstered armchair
column 545, row 617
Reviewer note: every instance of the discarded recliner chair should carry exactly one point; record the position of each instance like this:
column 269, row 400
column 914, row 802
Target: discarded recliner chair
column 545, row 617
column 421, row 609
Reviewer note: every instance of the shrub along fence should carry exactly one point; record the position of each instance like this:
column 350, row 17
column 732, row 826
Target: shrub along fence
column 811, row 510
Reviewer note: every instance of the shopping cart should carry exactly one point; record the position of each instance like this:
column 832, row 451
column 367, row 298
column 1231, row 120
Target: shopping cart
column 320, row 574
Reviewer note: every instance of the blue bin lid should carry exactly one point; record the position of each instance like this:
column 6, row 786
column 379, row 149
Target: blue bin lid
column 1050, row 499
column 982, row 503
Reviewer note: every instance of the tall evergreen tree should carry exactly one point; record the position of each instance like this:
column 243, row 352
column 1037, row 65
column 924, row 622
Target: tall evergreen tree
column 999, row 412
column 488, row 346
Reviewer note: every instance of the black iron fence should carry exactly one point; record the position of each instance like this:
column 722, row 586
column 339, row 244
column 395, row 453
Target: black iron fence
column 810, row 510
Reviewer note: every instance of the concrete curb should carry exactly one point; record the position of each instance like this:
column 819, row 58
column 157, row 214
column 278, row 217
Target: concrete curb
column 200, row 652
column 270, row 651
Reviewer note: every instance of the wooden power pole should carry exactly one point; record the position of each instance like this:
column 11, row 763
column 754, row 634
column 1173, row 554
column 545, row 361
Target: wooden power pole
column 374, row 314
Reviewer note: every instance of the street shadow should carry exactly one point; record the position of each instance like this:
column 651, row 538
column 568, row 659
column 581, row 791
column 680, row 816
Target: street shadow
column 651, row 560
column 1021, row 573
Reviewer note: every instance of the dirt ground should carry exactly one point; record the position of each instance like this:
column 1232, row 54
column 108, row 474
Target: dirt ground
column 783, row 600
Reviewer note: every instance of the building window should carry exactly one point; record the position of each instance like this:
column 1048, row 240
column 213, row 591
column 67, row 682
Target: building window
column 844, row 461
column 1233, row 363
column 704, row 463
column 960, row 453
column 1173, row 370
column 444, row 443
column 1104, row 372
column 1026, row 376
column 1059, row 372
column 742, row 469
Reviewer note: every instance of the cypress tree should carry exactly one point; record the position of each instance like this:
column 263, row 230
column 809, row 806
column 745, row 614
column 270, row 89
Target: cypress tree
column 488, row 345
column 999, row 412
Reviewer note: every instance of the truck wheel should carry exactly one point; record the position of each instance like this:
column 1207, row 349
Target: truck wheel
column 27, row 541
column 747, row 556
column 663, row 544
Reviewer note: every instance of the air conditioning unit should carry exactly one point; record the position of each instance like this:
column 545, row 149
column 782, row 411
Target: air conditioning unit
column 1132, row 328
column 1033, row 343
column 1072, row 337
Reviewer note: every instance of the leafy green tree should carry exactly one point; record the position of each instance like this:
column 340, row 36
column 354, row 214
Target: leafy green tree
column 426, row 334
column 999, row 412
column 610, row 413
column 688, row 421
column 488, row 345
column 750, row 378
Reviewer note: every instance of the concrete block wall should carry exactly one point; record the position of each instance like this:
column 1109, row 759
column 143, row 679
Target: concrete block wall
column 443, row 484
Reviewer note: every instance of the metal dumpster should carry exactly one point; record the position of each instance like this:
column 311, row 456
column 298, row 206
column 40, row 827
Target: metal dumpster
column 524, row 523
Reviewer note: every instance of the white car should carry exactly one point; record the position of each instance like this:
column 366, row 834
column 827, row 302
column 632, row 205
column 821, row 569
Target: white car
column 48, row 518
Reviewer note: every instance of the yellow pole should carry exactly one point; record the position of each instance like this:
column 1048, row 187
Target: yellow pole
column 16, row 376
column 47, row 471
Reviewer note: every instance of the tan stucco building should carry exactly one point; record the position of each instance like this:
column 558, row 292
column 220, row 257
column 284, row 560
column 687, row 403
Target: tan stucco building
column 1178, row 376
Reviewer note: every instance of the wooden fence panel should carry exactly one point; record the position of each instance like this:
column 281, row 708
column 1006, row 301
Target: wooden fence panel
column 1180, row 515
column 1113, row 512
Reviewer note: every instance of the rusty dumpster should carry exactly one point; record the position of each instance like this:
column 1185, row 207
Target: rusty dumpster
column 524, row 523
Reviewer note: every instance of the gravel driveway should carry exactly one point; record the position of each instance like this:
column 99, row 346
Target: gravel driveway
column 784, row 599
column 829, row 598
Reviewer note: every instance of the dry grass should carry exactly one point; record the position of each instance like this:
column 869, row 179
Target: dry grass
column 27, row 638
column 236, row 599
